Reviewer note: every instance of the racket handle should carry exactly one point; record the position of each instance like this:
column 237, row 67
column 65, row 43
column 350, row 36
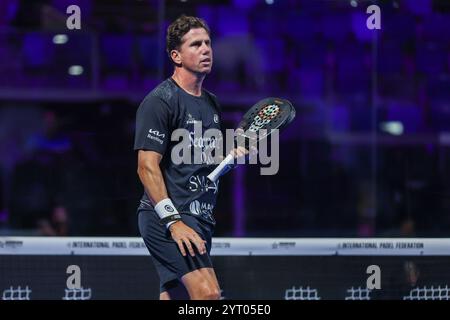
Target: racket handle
column 221, row 168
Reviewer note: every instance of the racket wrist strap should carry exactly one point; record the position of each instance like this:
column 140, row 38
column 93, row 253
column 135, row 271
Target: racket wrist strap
column 167, row 212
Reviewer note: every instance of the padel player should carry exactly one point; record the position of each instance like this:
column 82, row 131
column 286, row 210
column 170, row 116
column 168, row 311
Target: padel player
column 178, row 234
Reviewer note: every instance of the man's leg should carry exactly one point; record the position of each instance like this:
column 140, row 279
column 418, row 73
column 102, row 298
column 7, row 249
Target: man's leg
column 202, row 284
column 175, row 290
column 177, row 293
column 164, row 296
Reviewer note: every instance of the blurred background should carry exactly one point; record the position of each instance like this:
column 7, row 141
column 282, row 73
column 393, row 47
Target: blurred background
column 368, row 154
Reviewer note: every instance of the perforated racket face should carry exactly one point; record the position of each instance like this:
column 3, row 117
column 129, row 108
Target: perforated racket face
column 268, row 114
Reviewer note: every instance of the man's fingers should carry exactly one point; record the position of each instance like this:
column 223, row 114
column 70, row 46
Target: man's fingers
column 253, row 150
column 187, row 242
column 239, row 152
column 185, row 238
column 201, row 247
column 243, row 150
column 199, row 243
column 181, row 247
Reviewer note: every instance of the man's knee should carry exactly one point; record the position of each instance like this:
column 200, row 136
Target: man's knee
column 164, row 296
column 214, row 294
column 206, row 291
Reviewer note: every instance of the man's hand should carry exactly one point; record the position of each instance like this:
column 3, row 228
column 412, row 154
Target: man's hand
column 181, row 233
column 242, row 152
column 239, row 152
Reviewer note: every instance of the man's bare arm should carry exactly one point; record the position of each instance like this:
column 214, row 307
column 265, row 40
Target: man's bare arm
column 151, row 176
column 152, row 179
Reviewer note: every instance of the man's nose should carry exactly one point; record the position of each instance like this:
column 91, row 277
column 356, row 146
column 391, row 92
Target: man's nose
column 205, row 48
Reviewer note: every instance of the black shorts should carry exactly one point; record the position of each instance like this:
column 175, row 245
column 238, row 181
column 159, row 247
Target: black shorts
column 166, row 256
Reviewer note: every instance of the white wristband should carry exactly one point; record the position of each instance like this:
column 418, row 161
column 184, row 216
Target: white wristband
column 165, row 208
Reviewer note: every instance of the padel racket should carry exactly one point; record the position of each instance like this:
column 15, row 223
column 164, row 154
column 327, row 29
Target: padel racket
column 266, row 115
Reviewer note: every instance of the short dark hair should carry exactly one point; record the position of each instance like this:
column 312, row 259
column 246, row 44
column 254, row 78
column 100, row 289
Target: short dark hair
column 179, row 28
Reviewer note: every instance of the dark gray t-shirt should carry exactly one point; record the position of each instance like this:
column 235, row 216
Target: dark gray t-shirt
column 165, row 109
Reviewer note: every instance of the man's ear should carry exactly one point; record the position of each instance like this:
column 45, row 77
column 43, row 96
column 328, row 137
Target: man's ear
column 175, row 55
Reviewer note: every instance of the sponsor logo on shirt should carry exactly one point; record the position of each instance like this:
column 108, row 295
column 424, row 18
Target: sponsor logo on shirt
column 202, row 183
column 201, row 208
column 207, row 145
column 191, row 120
column 216, row 118
column 201, row 142
column 156, row 135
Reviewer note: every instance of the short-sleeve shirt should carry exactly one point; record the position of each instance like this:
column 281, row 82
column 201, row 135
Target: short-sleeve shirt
column 164, row 110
